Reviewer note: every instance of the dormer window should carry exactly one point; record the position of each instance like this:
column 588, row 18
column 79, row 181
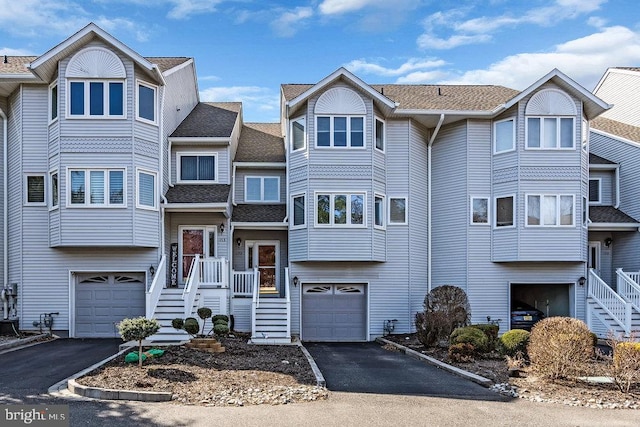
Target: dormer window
column 340, row 122
column 95, row 85
column 550, row 121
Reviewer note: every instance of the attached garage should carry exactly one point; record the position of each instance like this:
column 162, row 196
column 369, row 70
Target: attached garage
column 334, row 312
column 104, row 299
column 553, row 299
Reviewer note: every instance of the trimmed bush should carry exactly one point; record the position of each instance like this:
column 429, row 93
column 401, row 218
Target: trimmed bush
column 138, row 329
column 470, row 335
column 560, row 347
column 204, row 313
column 177, row 323
column 220, row 322
column 514, row 342
column 491, row 331
column 221, row 329
column 445, row 309
column 191, row 326
column 626, row 364
column 220, row 317
column 462, row 353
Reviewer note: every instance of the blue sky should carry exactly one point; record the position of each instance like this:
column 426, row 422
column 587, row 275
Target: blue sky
column 244, row 49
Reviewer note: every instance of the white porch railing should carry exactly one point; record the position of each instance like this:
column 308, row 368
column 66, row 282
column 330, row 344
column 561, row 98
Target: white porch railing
column 287, row 297
column 633, row 275
column 255, row 302
column 243, row 283
column 214, row 272
column 628, row 287
column 153, row 293
column 191, row 287
column 610, row 301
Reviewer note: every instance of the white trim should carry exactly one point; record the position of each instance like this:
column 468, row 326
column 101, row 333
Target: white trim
column 558, row 215
column 603, row 167
column 180, row 154
column 252, row 245
column 197, row 207
column 406, row 209
column 25, row 193
column 513, row 213
column 377, row 119
column 348, row 118
column 260, row 225
column 198, row 140
column 614, row 226
column 261, row 165
column 302, row 119
column 262, row 195
column 155, row 189
column 95, row 62
column 348, row 195
column 87, row 186
column 178, row 67
column 140, row 82
column 53, row 207
column 382, row 226
column 471, row 199
column 599, row 201
column 558, row 146
column 513, row 136
column 49, row 109
column 597, row 244
column 205, row 247
column 293, row 226
column 106, row 104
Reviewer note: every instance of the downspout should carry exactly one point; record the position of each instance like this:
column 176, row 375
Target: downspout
column 617, row 175
column 431, row 140
column 5, row 200
column 233, row 187
column 169, row 160
column 285, row 140
column 159, row 184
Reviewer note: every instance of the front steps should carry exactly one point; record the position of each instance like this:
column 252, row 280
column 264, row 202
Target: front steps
column 271, row 323
column 608, row 325
column 170, row 306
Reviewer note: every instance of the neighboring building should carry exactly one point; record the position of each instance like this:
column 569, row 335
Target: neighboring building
column 124, row 195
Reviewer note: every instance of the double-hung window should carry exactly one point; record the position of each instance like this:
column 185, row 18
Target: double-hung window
column 340, row 131
column 96, row 98
column 505, row 211
column 550, row 133
column 595, row 190
column 146, row 102
column 339, row 209
column 197, row 168
column 504, row 136
column 479, row 210
column 146, row 190
column 35, row 189
column 54, row 189
column 298, row 211
column 379, row 134
column 378, row 211
column 298, row 135
column 262, row 189
column 96, row 187
column 53, row 102
column 550, row 210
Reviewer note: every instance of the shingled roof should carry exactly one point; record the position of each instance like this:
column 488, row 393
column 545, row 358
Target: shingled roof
column 431, row 97
column 196, row 193
column 609, row 215
column 632, row 133
column 259, row 213
column 167, row 62
column 261, row 142
column 209, row 120
column 597, row 160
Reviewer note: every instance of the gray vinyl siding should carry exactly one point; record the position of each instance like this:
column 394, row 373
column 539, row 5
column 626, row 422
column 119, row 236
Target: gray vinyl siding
column 625, row 249
column 222, row 162
column 607, row 186
column 3, row 124
column 239, row 252
column 15, row 190
column 240, row 182
column 623, row 90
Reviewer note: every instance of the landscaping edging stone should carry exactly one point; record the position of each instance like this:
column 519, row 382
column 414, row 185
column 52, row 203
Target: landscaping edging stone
column 320, row 381
column 111, row 394
column 485, row 382
column 19, row 343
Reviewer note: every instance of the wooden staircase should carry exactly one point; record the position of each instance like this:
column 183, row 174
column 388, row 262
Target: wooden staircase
column 170, row 305
column 271, row 322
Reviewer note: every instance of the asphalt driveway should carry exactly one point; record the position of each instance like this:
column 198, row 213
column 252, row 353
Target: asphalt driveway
column 29, row 372
column 368, row 368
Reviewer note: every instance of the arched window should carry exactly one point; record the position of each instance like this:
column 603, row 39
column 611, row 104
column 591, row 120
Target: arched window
column 340, row 119
column 550, row 121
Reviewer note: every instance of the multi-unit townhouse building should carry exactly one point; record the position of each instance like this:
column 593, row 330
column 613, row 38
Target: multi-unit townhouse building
column 124, row 195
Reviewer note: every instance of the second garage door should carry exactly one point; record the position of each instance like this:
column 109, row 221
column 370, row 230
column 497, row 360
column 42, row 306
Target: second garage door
column 334, row 312
column 103, row 300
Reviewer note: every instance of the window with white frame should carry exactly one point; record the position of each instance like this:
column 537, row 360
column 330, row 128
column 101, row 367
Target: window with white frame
column 585, row 134
column 197, row 168
column 35, row 189
column 397, row 210
column 53, row 101
column 96, row 187
column 261, row 189
column 585, row 217
column 146, row 102
column 54, row 189
column 340, row 131
column 505, row 211
column 504, row 136
column 146, row 190
column 96, row 98
column 340, row 209
column 379, row 134
column 298, row 134
column 550, row 210
column 378, row 211
column 550, row 133
column 479, row 210
column 595, row 188
column 298, row 211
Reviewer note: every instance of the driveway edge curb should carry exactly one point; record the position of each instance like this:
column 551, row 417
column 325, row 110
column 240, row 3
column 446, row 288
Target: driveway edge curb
column 485, row 382
column 26, row 342
column 320, row 381
column 113, row 394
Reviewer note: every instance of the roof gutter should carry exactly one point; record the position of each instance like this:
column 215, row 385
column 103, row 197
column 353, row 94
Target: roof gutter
column 5, row 187
column 429, row 146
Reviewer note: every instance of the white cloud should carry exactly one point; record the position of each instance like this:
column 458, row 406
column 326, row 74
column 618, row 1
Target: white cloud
column 370, row 15
column 287, row 24
column 15, row 52
column 337, row 7
column 413, row 64
column 208, row 78
column 584, row 59
column 183, row 9
column 429, row 41
column 258, row 103
column 422, row 77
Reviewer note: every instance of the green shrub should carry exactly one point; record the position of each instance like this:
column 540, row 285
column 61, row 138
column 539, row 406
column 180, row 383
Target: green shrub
column 221, row 322
column 462, row 353
column 177, row 323
column 626, row 364
column 221, row 316
column 191, row 326
column 204, row 313
column 221, row 329
column 470, row 335
column 491, row 331
column 514, row 342
column 138, row 329
column 445, row 309
column 560, row 347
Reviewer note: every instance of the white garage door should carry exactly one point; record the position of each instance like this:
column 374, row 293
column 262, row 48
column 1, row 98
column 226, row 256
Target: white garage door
column 103, row 300
column 334, row 312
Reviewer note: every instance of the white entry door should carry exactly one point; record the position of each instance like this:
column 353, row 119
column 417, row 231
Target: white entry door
column 195, row 240
column 265, row 256
column 594, row 257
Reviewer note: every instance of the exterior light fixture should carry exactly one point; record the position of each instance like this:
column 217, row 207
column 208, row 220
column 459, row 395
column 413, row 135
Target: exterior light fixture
column 582, row 280
column 152, row 270
column 222, row 228
column 238, row 241
column 608, row 241
column 295, row 281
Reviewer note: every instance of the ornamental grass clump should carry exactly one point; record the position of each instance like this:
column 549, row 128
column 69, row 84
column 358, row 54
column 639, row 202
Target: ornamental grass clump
column 560, row 347
column 138, row 329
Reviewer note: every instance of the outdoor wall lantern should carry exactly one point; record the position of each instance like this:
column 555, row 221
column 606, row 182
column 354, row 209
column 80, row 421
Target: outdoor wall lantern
column 295, row 281
column 608, row 241
column 582, row 280
column 238, row 241
column 152, row 270
column 222, row 228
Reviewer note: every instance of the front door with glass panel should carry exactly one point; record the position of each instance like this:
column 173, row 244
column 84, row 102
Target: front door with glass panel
column 265, row 257
column 195, row 241
column 594, row 257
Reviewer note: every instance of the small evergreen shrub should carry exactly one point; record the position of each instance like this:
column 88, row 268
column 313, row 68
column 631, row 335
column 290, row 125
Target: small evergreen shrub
column 221, row 329
column 514, row 342
column 221, row 322
column 191, row 326
column 462, row 353
column 560, row 347
column 445, row 309
column 221, row 317
column 204, row 313
column 470, row 335
column 491, row 331
column 177, row 323
column 138, row 329
column 626, row 364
